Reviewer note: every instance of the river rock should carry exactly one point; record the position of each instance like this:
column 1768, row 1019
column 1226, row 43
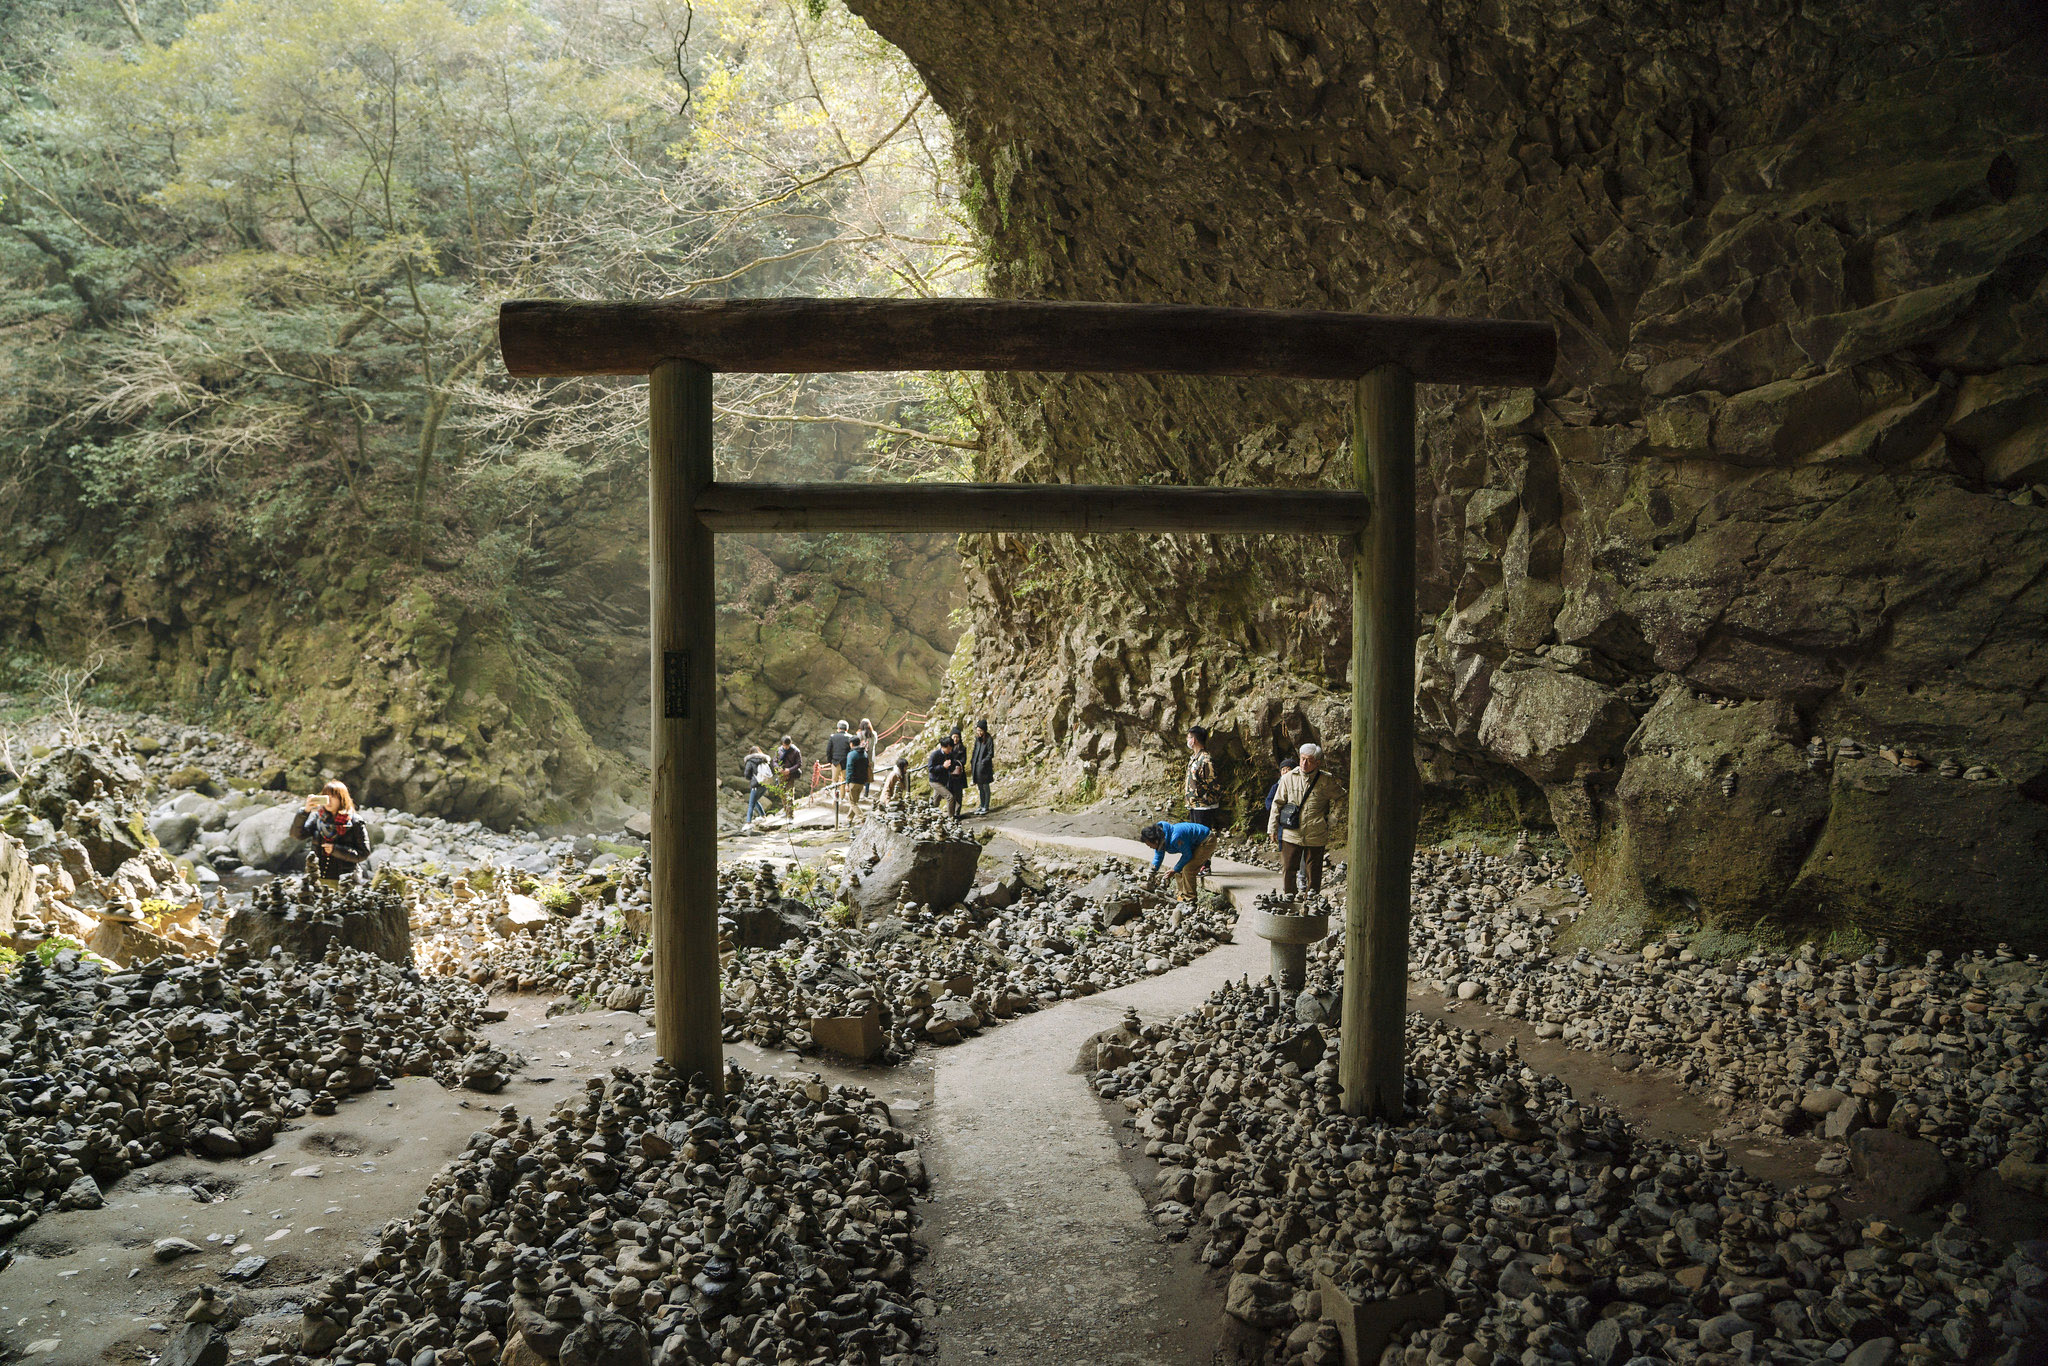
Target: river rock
column 264, row 840
column 518, row 914
column 195, row 1344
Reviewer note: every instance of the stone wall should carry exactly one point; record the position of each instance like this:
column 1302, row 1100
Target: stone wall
column 1785, row 492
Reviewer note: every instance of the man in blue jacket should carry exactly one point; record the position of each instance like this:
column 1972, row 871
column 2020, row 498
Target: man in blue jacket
column 1196, row 845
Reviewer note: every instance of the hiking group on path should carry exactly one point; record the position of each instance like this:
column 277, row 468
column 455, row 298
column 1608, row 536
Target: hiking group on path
column 1296, row 816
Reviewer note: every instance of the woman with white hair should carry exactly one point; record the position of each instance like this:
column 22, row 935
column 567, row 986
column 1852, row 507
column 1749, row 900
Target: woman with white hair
column 1300, row 820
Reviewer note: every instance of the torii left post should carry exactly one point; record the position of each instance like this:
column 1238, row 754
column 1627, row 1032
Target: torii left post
column 684, row 754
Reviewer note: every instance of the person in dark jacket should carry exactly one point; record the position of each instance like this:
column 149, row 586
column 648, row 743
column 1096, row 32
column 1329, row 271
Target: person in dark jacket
column 340, row 839
column 755, row 769
column 1195, row 844
column 947, row 769
column 789, row 766
column 981, row 763
column 860, row 768
column 835, row 750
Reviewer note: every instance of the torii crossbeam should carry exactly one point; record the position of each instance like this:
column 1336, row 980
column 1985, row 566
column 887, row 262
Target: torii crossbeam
column 679, row 346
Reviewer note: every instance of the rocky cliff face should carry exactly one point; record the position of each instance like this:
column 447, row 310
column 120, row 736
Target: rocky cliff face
column 1755, row 593
column 347, row 666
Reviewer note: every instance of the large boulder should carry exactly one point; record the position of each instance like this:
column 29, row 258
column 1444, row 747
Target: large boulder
column 1900, row 1174
column 920, row 868
column 304, row 917
column 174, row 830
column 78, row 773
column 111, row 831
column 1717, row 807
column 264, row 840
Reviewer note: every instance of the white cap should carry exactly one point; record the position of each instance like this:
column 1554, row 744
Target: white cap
column 1311, row 751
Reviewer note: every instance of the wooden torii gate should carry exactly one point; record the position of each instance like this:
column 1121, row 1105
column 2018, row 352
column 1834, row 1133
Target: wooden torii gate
column 681, row 345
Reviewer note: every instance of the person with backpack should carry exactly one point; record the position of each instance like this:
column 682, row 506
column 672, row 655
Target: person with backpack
column 1195, row 844
column 981, row 763
column 754, row 768
column 1300, row 820
column 860, row 768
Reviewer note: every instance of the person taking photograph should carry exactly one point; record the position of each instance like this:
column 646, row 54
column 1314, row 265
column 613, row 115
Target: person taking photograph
column 340, row 840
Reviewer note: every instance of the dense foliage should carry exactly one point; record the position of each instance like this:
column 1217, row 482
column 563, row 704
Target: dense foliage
column 251, row 253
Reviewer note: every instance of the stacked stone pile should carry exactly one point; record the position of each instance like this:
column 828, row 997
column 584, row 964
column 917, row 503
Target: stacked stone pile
column 102, row 1072
column 305, row 916
column 1952, row 1049
column 482, row 926
column 1501, row 1220
column 936, row 975
column 647, row 1224
column 809, row 974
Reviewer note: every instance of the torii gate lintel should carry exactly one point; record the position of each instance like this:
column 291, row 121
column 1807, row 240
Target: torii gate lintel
column 680, row 345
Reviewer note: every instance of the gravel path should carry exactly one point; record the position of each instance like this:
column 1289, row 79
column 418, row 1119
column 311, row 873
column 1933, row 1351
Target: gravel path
column 1041, row 1248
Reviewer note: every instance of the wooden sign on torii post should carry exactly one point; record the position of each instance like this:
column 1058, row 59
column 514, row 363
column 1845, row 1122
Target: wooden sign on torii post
column 680, row 346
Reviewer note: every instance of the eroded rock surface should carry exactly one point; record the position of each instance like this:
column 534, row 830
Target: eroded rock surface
column 1794, row 456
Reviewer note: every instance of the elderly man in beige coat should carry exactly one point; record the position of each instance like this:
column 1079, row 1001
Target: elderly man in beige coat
column 1300, row 819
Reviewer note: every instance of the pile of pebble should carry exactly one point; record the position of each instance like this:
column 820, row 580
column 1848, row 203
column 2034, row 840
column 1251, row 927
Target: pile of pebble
column 797, row 970
column 919, row 821
column 647, row 1222
column 102, row 1072
column 1952, row 1048
column 932, row 975
column 1503, row 1221
column 563, row 934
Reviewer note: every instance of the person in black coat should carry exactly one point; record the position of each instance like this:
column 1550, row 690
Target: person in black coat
column 981, row 763
column 341, row 841
column 947, row 769
column 835, row 750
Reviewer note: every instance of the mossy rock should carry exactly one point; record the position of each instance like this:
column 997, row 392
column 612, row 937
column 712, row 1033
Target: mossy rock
column 193, row 778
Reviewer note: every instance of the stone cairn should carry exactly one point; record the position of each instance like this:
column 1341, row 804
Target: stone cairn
column 105, row 1072
column 810, row 976
column 1951, row 1049
column 646, row 1223
column 1503, row 1221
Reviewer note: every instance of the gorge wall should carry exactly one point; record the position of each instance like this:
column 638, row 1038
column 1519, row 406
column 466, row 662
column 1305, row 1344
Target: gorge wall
column 1755, row 593
column 419, row 696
